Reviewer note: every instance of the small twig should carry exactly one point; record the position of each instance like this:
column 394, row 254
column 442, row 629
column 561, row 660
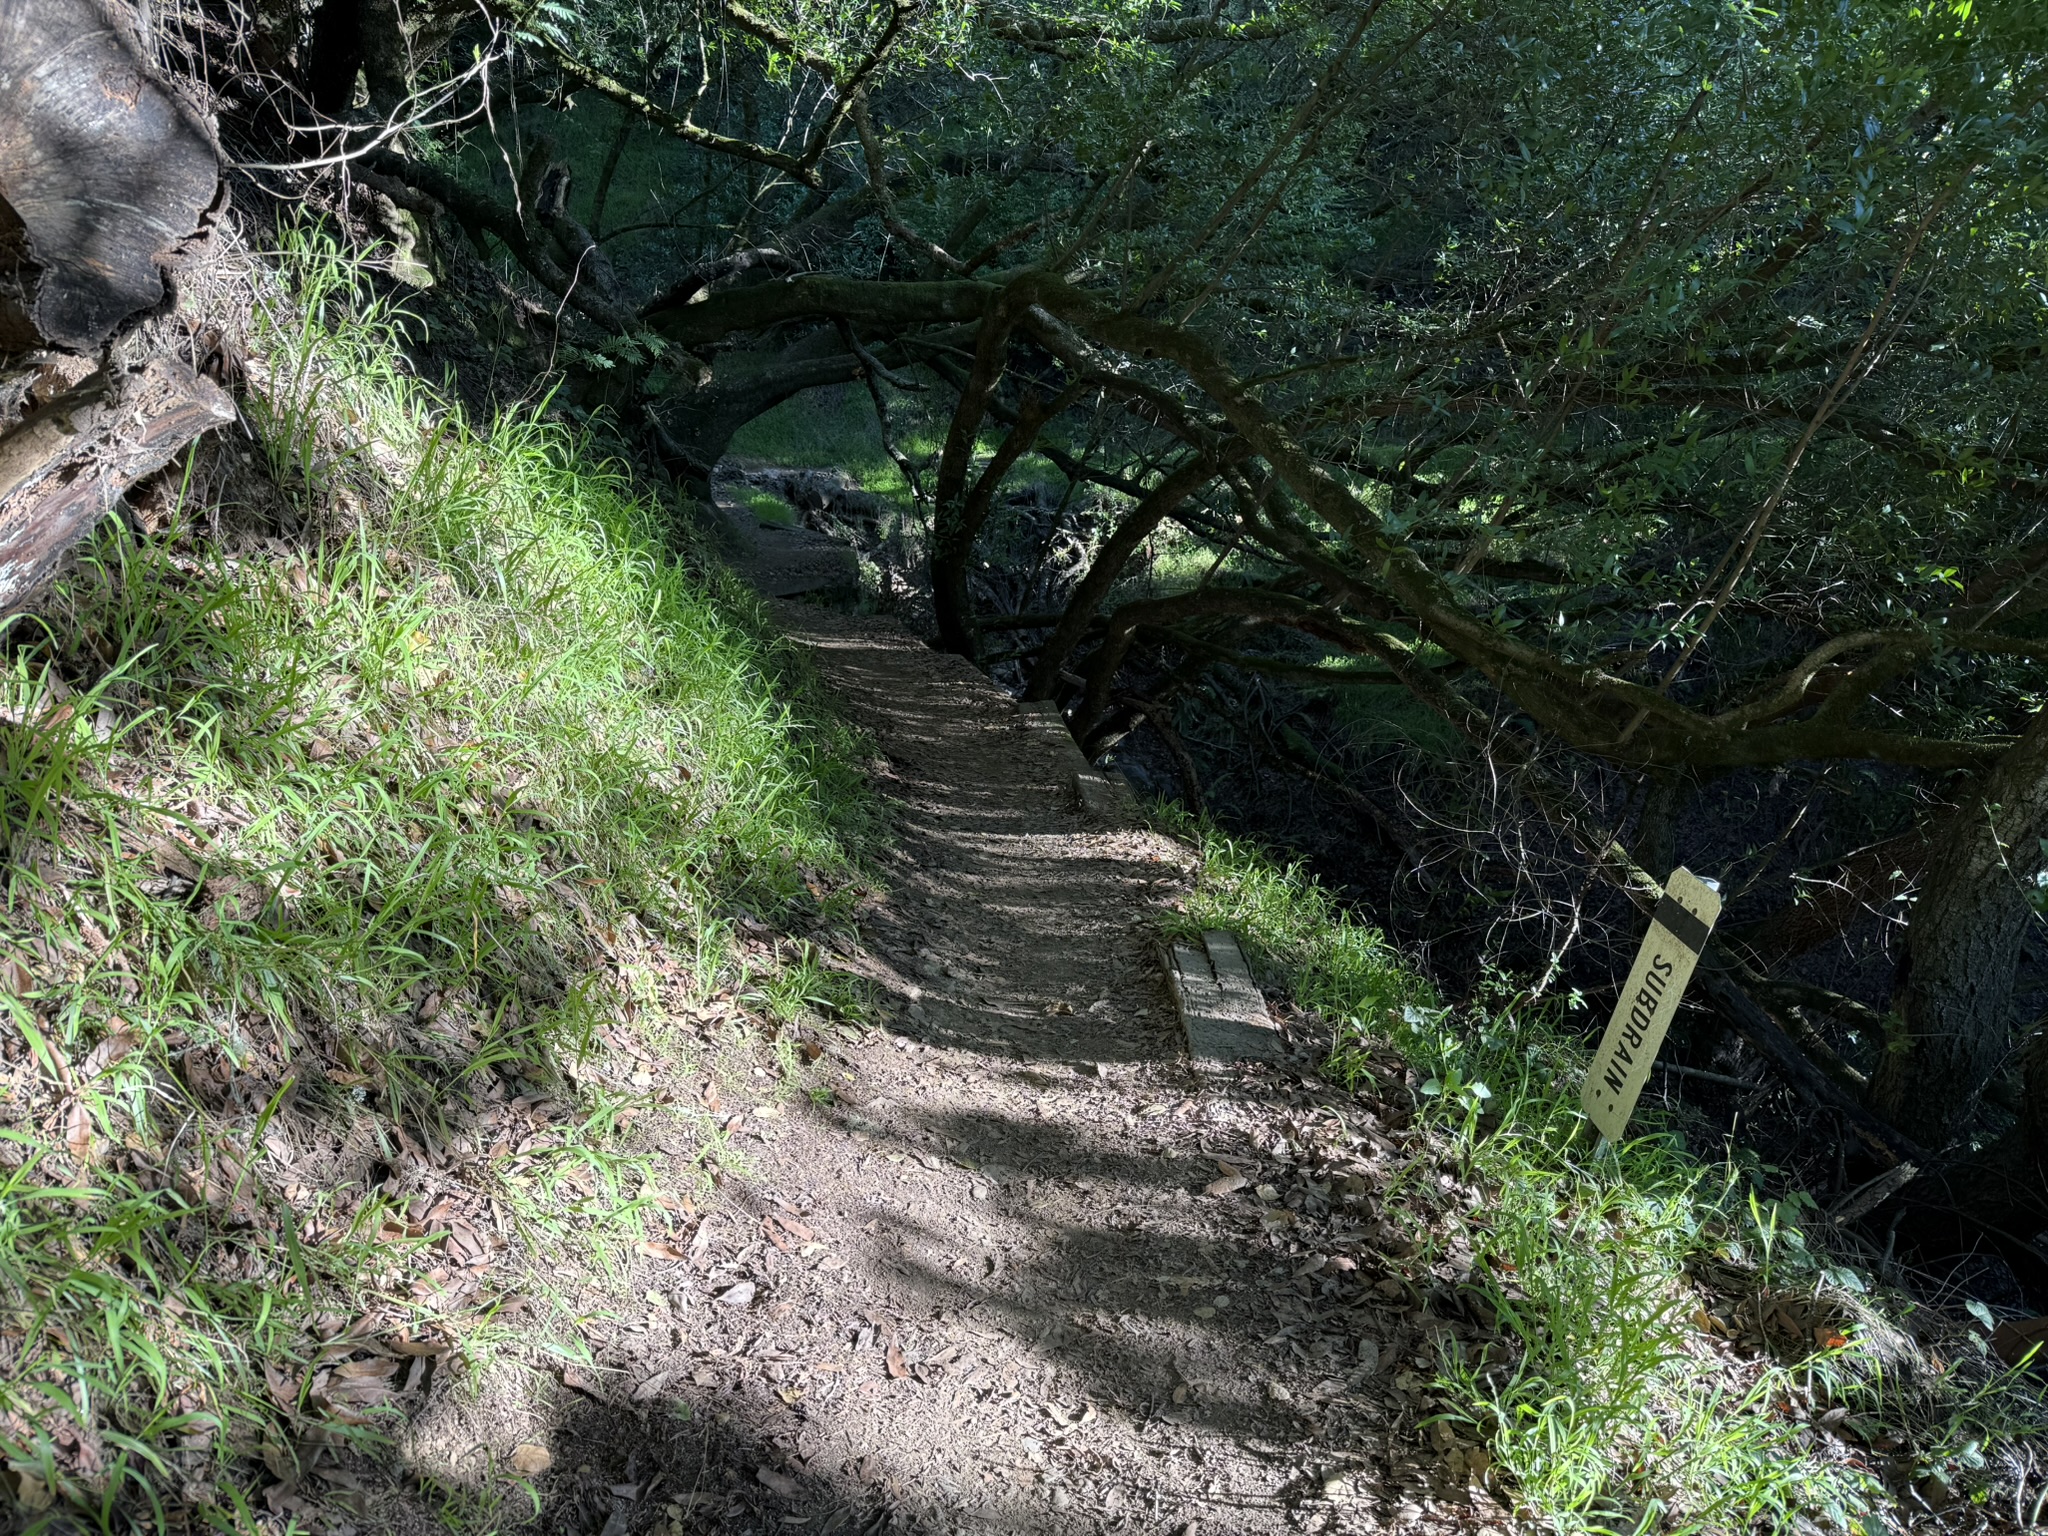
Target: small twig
column 1866, row 1198
column 1707, row 1077
column 874, row 364
column 874, row 373
column 885, row 200
column 1183, row 761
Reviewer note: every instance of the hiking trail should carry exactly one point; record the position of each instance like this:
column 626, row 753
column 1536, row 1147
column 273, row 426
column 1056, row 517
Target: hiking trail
column 1023, row 1269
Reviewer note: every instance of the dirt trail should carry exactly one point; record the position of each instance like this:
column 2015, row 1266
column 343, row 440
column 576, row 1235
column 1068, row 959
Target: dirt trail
column 1022, row 1270
column 997, row 1292
column 1016, row 1174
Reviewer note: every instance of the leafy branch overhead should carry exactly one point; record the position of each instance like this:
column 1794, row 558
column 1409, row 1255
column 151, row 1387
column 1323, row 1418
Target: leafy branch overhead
column 1658, row 390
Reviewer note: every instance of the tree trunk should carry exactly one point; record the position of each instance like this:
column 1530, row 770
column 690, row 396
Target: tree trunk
column 104, row 175
column 352, row 37
column 954, row 537
column 2002, row 1190
column 2034, row 1106
column 705, row 419
column 1963, row 947
column 387, row 60
column 1867, row 880
column 1656, row 839
column 336, row 56
column 67, row 464
column 628, row 121
column 1110, row 560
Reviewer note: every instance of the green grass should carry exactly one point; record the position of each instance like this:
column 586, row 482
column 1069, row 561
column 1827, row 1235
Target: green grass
column 835, row 428
column 1292, row 927
column 1394, row 717
column 1618, row 1411
column 770, row 509
column 407, row 849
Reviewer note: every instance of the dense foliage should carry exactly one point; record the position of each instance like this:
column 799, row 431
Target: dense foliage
column 1650, row 388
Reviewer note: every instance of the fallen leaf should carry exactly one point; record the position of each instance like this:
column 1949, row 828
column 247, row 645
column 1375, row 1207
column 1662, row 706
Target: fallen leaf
column 892, row 1357
column 741, row 1295
column 793, row 1227
column 530, row 1460
column 2013, row 1340
column 284, row 1390
column 15, row 975
column 429, row 1349
column 673, row 1253
column 78, row 1130
column 776, row 1483
column 119, row 1043
column 360, row 1383
column 652, row 1386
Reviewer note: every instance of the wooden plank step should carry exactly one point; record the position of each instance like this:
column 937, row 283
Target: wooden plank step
column 1221, row 1008
column 1101, row 797
column 1106, row 798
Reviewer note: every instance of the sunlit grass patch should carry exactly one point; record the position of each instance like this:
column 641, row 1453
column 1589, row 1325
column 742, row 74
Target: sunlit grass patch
column 380, row 828
column 1293, row 928
column 836, row 428
column 770, row 509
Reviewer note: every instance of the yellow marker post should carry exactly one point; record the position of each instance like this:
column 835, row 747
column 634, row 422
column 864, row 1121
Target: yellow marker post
column 1678, row 932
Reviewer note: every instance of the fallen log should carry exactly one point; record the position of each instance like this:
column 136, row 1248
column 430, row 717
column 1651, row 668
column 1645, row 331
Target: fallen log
column 104, row 174
column 1721, row 981
column 65, row 466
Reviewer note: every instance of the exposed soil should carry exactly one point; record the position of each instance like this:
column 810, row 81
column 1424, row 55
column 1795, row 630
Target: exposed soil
column 1025, row 1271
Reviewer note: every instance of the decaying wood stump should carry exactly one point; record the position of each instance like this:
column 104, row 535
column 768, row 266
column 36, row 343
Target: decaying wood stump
column 68, row 463
column 103, row 173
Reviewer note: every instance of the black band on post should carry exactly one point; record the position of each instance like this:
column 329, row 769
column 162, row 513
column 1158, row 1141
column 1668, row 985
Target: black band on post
column 1683, row 926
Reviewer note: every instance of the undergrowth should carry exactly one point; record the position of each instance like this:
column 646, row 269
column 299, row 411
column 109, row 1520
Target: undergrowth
column 392, row 818
column 1684, row 1356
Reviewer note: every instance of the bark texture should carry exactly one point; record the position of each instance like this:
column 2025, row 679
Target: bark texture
column 104, row 172
column 66, row 465
column 1963, row 947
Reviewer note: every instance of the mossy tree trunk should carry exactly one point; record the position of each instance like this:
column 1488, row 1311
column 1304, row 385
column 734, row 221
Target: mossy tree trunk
column 1956, row 994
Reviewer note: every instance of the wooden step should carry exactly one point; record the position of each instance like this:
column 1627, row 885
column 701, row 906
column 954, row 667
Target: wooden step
column 1221, row 1007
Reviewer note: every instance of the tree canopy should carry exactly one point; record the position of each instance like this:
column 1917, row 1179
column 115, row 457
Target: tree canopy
column 1656, row 384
